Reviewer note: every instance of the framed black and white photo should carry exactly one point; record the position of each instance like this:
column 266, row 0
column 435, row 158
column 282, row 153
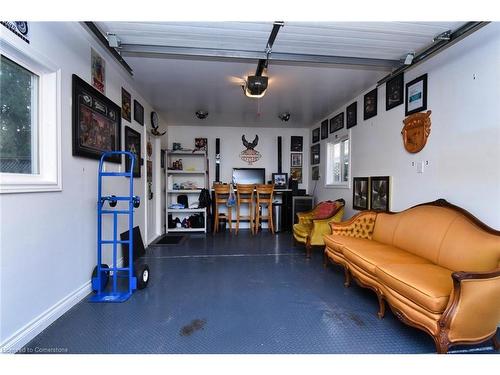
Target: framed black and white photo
column 280, row 180
column 133, row 144
column 324, row 129
column 360, row 193
column 96, row 122
column 296, row 159
column 416, row 95
column 315, row 135
column 370, row 104
column 138, row 112
column 315, row 154
column 380, row 193
column 394, row 92
column 337, row 123
column 296, row 143
column 351, row 115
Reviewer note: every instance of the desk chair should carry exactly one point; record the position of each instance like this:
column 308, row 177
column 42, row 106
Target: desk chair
column 264, row 198
column 221, row 193
column 244, row 195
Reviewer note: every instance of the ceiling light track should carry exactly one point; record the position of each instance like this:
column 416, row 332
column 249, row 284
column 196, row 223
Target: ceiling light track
column 441, row 42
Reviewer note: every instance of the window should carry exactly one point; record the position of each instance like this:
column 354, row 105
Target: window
column 30, row 147
column 18, row 118
column 337, row 164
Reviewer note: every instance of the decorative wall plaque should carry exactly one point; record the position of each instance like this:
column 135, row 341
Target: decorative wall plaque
column 416, row 131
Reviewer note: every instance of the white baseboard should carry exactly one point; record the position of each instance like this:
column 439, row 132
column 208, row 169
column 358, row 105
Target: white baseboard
column 25, row 334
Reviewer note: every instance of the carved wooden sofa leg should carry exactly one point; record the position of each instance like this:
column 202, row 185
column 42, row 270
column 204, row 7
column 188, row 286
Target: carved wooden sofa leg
column 496, row 343
column 348, row 277
column 325, row 259
column 442, row 342
column 308, row 248
column 381, row 305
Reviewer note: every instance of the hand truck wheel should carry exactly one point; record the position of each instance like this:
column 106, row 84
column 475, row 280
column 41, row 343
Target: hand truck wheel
column 104, row 275
column 142, row 275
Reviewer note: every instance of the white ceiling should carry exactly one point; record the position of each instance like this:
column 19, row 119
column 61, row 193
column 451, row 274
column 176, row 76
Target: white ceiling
column 178, row 87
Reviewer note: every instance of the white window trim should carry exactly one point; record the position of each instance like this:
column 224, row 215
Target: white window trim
column 340, row 185
column 49, row 120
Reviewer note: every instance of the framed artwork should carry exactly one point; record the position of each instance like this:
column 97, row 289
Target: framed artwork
column 352, row 115
column 360, row 193
column 416, row 95
column 370, row 104
column 296, row 159
column 149, row 168
column 296, row 143
column 138, row 112
column 296, row 174
column 337, row 123
column 98, row 68
column 163, row 155
column 126, row 105
column 200, row 144
column 394, row 91
column 315, row 173
column 133, row 144
column 96, row 122
column 315, row 154
column 324, row 129
column 379, row 193
column 315, row 135
column 280, row 180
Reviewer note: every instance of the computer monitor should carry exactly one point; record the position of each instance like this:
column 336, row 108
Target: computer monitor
column 249, row 176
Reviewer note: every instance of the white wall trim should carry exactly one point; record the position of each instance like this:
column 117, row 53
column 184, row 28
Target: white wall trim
column 25, row 334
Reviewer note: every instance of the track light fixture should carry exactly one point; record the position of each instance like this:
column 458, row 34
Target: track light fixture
column 201, row 114
column 409, row 58
column 285, row 116
column 113, row 40
column 443, row 36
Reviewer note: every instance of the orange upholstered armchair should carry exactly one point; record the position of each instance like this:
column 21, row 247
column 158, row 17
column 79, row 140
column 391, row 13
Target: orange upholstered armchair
column 313, row 224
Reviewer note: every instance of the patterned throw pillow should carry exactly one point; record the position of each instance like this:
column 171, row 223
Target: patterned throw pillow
column 326, row 209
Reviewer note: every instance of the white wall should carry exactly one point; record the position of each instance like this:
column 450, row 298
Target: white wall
column 463, row 149
column 231, row 146
column 48, row 240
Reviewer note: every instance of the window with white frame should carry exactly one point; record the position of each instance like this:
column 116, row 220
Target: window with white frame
column 338, row 163
column 29, row 121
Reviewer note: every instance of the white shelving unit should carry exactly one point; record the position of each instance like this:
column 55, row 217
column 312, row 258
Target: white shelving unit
column 195, row 170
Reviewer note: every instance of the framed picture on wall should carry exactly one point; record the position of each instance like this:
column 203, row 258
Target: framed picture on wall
column 352, row 115
column 360, row 193
column 394, row 91
column 296, row 174
column 133, row 144
column 296, row 143
column 324, row 129
column 370, row 104
column 98, row 67
column 380, row 193
column 337, row 123
column 96, row 122
column 280, row 180
column 416, row 95
column 138, row 112
column 315, row 135
column 315, row 154
column 315, row 173
column 296, row 159
column 126, row 105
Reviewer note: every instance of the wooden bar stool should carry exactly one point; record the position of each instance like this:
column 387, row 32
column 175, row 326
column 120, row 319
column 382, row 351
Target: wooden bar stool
column 221, row 193
column 264, row 198
column 244, row 195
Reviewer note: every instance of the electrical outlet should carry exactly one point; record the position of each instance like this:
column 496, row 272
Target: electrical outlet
column 420, row 167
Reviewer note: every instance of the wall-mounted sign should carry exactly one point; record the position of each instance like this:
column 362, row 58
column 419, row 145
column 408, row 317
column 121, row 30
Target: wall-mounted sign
column 98, row 71
column 20, row 28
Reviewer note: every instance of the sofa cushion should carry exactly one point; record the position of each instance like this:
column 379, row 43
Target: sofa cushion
column 326, row 209
column 371, row 254
column 428, row 285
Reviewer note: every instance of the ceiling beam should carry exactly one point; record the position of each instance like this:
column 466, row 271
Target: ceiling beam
column 178, row 52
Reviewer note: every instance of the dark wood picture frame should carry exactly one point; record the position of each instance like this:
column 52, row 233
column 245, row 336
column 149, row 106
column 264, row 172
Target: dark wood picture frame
column 351, row 115
column 315, row 135
column 416, row 91
column 296, row 174
column 280, row 180
column 380, row 193
column 96, row 122
column 296, row 143
column 360, row 193
column 126, row 105
column 394, row 92
column 133, row 144
column 315, row 173
column 296, row 159
column 315, row 154
column 324, row 129
column 337, row 122
column 138, row 112
column 370, row 104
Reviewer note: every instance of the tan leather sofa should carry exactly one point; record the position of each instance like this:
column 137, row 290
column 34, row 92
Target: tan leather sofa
column 436, row 265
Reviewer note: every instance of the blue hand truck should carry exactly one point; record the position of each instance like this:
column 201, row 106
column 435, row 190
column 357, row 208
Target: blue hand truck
column 102, row 273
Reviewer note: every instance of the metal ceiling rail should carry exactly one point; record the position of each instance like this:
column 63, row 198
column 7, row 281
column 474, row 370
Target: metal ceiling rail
column 437, row 47
column 177, row 52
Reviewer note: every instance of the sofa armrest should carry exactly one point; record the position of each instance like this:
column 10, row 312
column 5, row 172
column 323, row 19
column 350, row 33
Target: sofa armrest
column 305, row 217
column 360, row 225
column 473, row 311
column 322, row 226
